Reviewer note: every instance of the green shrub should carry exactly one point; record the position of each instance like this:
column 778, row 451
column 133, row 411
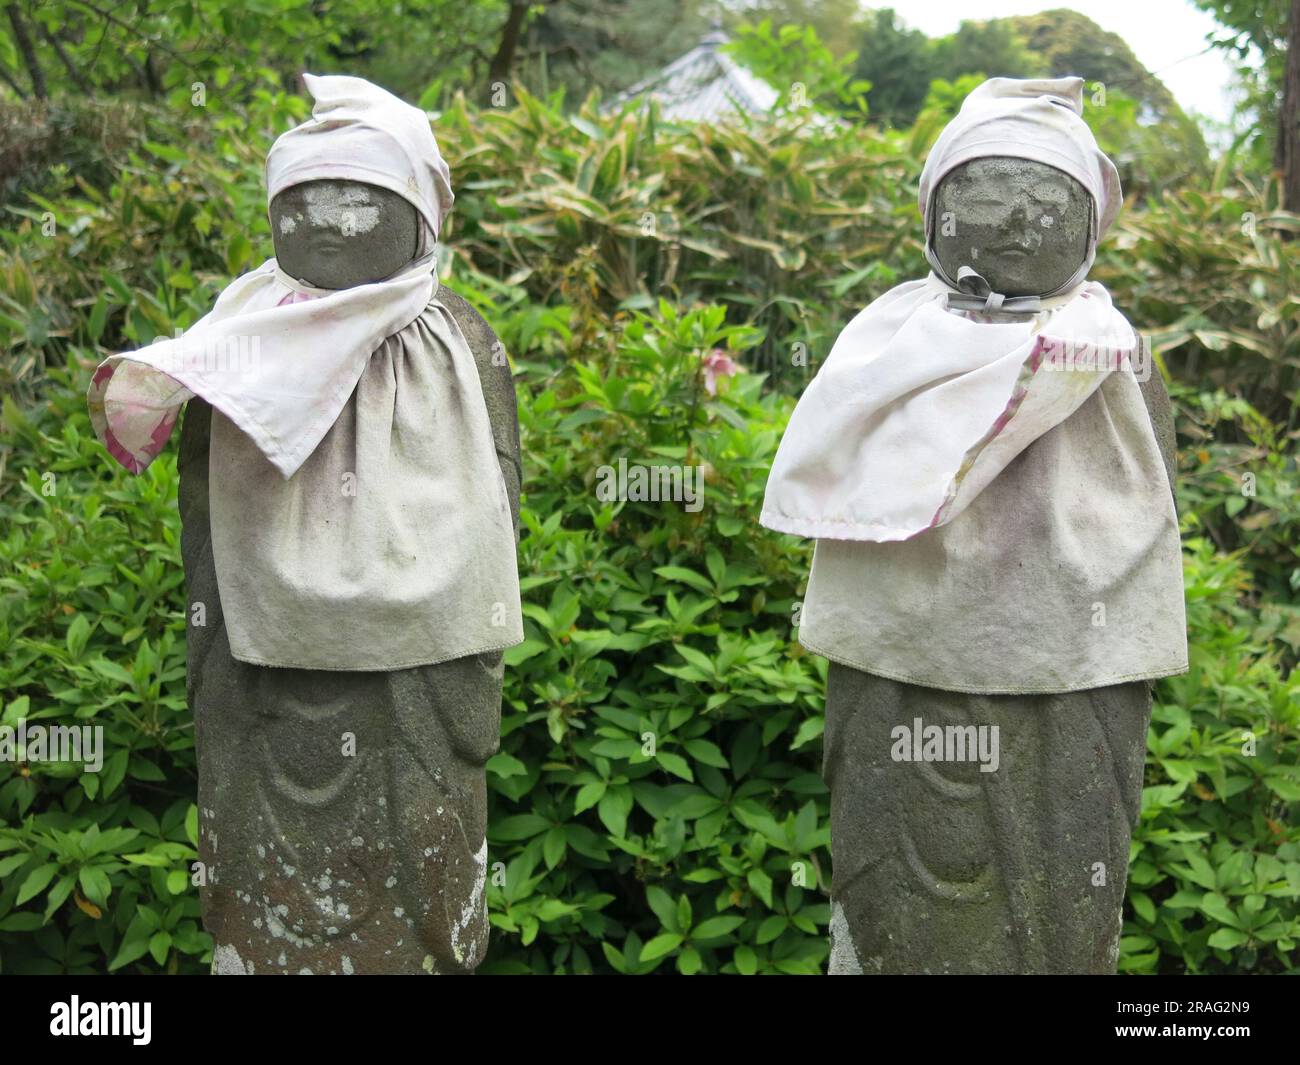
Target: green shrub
column 1214, row 884
column 45, row 143
column 657, row 794
column 94, row 865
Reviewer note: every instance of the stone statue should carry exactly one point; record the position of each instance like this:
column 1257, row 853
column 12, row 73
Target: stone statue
column 349, row 495
column 934, row 872
column 1012, row 858
column 375, row 863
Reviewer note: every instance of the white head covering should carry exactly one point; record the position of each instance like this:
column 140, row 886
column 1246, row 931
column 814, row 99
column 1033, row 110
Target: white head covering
column 1036, row 118
column 359, row 132
column 428, row 536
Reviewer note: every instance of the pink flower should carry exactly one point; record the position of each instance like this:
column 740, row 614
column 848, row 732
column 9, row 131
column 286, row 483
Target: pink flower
column 717, row 363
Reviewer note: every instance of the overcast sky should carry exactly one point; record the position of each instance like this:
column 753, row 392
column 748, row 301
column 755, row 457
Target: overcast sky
column 1164, row 35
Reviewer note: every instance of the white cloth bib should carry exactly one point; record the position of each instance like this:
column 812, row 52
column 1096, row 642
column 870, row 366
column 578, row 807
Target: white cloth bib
column 989, row 517
column 393, row 545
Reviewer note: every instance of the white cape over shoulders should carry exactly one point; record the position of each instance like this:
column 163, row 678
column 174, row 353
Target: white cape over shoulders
column 991, row 508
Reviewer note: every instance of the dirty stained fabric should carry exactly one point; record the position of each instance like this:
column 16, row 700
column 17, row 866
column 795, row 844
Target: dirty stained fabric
column 276, row 357
column 918, row 408
column 1014, row 532
column 391, row 547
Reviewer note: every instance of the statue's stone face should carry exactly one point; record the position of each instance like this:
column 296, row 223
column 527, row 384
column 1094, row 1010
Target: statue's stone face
column 338, row 234
column 1022, row 225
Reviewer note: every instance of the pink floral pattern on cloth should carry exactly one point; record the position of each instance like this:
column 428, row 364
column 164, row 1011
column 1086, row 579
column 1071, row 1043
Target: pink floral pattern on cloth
column 916, row 410
column 136, row 429
column 1017, row 397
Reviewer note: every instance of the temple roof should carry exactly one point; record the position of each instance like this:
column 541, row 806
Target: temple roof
column 704, row 85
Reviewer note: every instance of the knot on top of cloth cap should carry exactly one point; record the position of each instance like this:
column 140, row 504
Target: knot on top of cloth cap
column 360, row 132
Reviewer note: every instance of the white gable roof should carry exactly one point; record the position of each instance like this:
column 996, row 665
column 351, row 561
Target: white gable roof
column 704, row 85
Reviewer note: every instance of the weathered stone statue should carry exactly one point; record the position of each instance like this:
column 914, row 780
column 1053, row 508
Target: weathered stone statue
column 348, row 620
column 999, row 581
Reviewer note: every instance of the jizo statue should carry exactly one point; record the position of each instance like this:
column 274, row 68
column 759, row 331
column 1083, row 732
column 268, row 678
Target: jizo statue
column 349, row 496
column 987, row 469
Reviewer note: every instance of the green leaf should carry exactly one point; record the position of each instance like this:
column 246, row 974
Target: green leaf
column 662, row 906
column 521, row 826
column 771, row 928
column 13, row 863
column 1216, row 906
column 761, row 884
column 660, row 946
column 35, row 882
column 1227, row 938
column 77, row 636
column 706, row 752
column 684, row 576
column 160, row 944
column 134, row 944
column 613, row 811
column 554, row 846
column 22, row 922
column 716, row 927
column 588, row 795
column 505, row 765
column 809, row 730
column 675, row 764
column 1143, row 906
column 95, row 884
column 166, row 152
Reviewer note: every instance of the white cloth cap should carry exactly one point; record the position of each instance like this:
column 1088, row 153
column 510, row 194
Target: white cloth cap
column 1034, row 118
column 360, row 132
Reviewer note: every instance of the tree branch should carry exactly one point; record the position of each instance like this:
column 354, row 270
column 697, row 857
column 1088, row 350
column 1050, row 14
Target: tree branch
column 499, row 68
column 28, row 51
column 73, row 73
column 134, row 31
column 151, row 74
column 1288, row 136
